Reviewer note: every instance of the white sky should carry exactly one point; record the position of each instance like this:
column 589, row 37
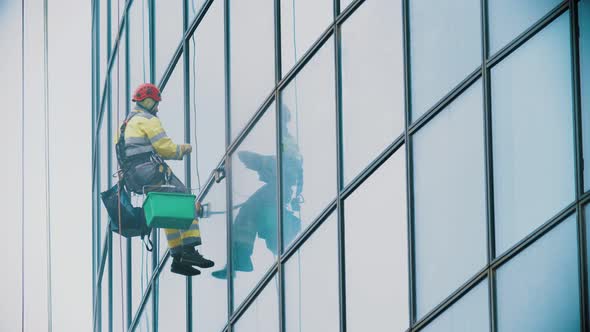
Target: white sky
column 70, row 191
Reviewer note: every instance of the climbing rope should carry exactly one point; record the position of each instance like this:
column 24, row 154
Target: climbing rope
column 194, row 99
column 297, row 142
column 47, row 163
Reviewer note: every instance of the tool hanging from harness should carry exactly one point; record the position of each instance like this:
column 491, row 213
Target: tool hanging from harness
column 118, row 199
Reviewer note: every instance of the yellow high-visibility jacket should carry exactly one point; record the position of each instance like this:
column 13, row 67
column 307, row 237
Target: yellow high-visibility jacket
column 144, row 133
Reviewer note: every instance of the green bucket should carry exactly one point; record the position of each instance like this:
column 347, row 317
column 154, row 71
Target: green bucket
column 169, row 210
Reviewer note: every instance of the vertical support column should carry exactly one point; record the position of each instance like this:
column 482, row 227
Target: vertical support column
column 109, row 164
column 129, row 260
column 94, row 85
column 579, row 166
column 97, row 228
column 155, row 232
column 409, row 162
column 278, row 140
column 228, row 164
column 187, row 138
column 488, row 141
column 339, row 167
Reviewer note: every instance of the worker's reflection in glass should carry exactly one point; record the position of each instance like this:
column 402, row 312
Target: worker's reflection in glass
column 258, row 214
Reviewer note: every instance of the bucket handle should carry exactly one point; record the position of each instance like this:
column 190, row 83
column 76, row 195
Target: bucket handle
column 156, row 186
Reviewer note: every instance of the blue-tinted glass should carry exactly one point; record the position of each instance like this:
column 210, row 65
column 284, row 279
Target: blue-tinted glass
column 449, row 189
column 263, row 314
column 442, row 54
column 207, row 95
column 311, row 271
column 171, row 114
column 254, row 199
column 139, row 53
column 533, row 134
column 538, row 290
column 302, row 23
column 169, row 31
column 309, row 143
column 141, row 272
column 171, row 301
column 372, row 83
column 251, row 58
column 119, row 270
column 470, row 313
column 584, row 22
column 509, row 18
column 209, row 293
column 377, row 251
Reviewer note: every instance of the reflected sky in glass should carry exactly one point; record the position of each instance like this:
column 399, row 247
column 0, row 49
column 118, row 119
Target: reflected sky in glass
column 311, row 283
column 538, row 290
column 533, row 134
column 372, row 83
column 509, row 18
column 376, row 250
column 442, row 54
column 450, row 192
column 302, row 22
column 470, row 313
column 263, row 314
column 252, row 66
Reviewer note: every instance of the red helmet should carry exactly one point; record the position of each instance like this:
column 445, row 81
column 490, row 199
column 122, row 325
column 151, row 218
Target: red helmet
column 146, row 90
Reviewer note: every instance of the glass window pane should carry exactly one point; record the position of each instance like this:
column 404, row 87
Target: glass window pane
column 263, row 314
column 309, row 143
column 442, row 54
column 171, row 114
column 139, row 52
column 209, row 293
column 509, row 18
column 449, row 189
column 172, row 300
column 377, row 250
column 311, row 271
column 372, row 83
column 207, row 95
column 302, row 23
column 533, row 134
column 538, row 290
column 470, row 313
column 254, row 199
column 584, row 22
column 169, row 31
column 141, row 272
column 251, row 58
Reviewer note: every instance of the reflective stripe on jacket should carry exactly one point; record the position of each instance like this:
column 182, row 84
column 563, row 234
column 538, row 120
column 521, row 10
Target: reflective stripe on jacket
column 144, row 133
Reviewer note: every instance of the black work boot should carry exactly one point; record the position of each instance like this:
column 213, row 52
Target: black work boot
column 190, row 255
column 184, row 269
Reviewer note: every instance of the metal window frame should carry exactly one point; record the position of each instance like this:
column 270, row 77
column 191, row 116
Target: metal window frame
column 404, row 141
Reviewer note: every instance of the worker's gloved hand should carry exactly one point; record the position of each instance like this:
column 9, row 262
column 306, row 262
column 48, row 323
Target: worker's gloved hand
column 186, row 149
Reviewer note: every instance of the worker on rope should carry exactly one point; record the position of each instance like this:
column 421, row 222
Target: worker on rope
column 141, row 151
column 258, row 214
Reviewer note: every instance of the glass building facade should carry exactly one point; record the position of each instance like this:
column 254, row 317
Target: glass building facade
column 387, row 165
